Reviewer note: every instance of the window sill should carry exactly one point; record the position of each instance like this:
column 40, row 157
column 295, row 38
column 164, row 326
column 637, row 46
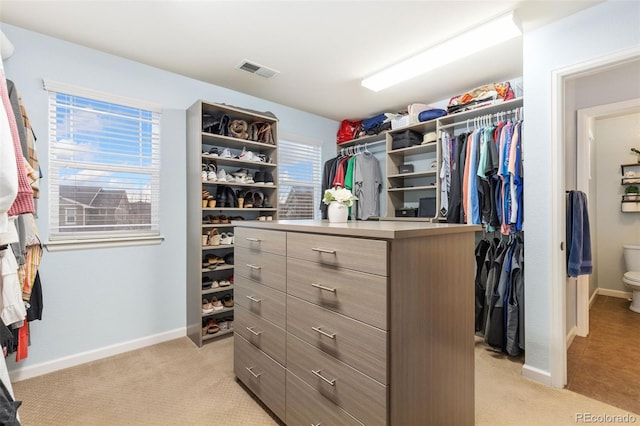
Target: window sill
column 54, row 246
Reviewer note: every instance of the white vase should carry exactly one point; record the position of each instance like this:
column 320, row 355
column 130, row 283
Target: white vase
column 337, row 212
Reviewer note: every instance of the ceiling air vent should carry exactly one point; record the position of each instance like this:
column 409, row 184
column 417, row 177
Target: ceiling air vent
column 257, row 69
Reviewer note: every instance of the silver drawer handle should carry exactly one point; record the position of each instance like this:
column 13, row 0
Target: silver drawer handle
column 253, row 299
column 257, row 376
column 317, row 373
column 252, row 331
column 249, row 265
column 316, row 424
column 253, row 240
column 324, row 333
column 323, row 250
column 321, row 287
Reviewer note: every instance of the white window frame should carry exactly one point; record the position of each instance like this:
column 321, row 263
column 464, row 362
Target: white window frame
column 70, row 213
column 316, row 182
column 58, row 239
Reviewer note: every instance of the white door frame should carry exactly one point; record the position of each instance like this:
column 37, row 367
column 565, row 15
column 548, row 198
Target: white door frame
column 558, row 332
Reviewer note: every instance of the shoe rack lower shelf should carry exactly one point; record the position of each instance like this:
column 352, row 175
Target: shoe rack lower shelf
column 217, row 334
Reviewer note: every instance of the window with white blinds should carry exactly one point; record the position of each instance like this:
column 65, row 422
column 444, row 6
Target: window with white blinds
column 104, row 168
column 299, row 179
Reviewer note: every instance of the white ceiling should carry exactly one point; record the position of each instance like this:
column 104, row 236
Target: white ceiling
column 321, row 48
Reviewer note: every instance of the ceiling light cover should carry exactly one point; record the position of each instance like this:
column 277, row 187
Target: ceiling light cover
column 471, row 41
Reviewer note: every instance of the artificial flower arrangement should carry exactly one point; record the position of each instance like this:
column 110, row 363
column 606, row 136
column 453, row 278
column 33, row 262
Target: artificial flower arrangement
column 339, row 194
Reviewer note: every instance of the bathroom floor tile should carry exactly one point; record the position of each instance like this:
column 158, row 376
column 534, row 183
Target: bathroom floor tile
column 598, row 366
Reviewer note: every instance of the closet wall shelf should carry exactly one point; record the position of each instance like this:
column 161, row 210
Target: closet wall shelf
column 204, row 148
column 231, row 142
column 218, row 247
column 363, row 140
column 425, row 188
column 460, row 118
column 416, row 149
column 237, row 209
column 218, row 334
column 244, row 185
column 217, row 290
column 221, row 311
column 236, row 162
column 414, row 174
column 412, row 188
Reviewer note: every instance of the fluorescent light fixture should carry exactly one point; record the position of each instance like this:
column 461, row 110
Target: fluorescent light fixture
column 471, row 41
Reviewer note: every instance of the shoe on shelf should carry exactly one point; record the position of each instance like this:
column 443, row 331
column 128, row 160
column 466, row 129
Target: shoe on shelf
column 268, row 178
column 215, row 239
column 226, row 239
column 216, row 304
column 248, row 199
column 207, row 307
column 258, row 199
column 259, row 178
column 249, row 179
column 215, row 284
column 213, row 151
column 240, row 172
column 227, row 301
column 226, row 153
column 206, row 283
column 212, row 326
column 228, row 258
column 221, row 197
column 211, row 173
column 205, row 168
column 224, row 283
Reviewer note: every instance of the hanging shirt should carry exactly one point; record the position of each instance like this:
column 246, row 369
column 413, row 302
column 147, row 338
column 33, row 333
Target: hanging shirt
column 445, row 173
column 367, row 184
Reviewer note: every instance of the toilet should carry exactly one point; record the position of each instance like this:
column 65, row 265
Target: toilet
column 632, row 277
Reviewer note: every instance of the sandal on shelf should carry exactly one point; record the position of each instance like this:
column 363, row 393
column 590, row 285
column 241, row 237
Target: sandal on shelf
column 224, row 219
column 212, row 326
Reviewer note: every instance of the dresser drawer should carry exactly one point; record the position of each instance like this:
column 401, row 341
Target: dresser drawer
column 355, row 294
column 359, row 395
column 353, row 253
column 261, row 333
column 261, row 240
column 261, row 300
column 264, row 268
column 353, row 342
column 261, row 374
column 305, row 406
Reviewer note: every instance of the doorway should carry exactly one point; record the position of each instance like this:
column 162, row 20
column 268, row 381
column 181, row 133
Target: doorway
column 569, row 96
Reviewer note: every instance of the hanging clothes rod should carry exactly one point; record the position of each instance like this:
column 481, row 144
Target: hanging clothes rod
column 516, row 112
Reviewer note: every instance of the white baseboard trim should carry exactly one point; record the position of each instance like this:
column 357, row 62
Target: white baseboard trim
column 93, row 355
column 536, row 374
column 572, row 334
column 614, row 293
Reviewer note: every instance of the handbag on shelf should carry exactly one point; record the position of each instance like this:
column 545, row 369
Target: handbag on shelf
column 348, row 131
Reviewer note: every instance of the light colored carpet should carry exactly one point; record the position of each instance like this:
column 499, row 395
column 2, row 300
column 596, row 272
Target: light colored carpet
column 176, row 383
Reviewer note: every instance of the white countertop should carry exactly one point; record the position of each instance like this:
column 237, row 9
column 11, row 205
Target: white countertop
column 363, row 228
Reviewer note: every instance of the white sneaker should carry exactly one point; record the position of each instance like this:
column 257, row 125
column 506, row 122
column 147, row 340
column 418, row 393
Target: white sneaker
column 247, row 155
column 226, row 238
column 211, row 175
column 222, row 175
column 204, row 171
column 226, row 153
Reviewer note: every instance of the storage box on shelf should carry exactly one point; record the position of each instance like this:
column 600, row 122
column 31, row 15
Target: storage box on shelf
column 231, row 175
